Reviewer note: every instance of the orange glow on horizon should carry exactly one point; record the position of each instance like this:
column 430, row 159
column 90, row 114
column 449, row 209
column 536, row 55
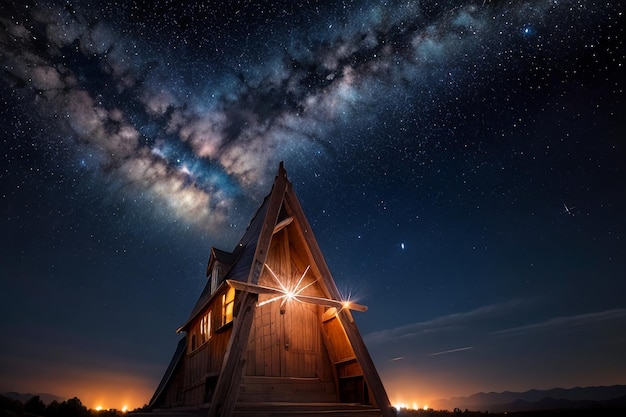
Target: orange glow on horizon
column 415, row 392
column 97, row 390
column 112, row 401
column 406, row 406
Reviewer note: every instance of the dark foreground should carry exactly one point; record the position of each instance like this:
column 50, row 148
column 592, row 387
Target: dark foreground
column 588, row 412
column 74, row 408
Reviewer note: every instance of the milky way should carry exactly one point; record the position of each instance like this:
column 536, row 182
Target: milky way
column 195, row 133
column 461, row 164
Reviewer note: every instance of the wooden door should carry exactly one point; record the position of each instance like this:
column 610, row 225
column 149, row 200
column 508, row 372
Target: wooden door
column 285, row 342
column 285, row 339
column 301, row 346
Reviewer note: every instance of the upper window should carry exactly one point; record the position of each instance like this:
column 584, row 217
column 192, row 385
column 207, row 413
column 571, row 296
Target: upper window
column 228, row 303
column 215, row 277
column 201, row 332
column 205, row 327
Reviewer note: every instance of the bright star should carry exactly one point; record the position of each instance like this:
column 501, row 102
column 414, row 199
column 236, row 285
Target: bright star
column 527, row 30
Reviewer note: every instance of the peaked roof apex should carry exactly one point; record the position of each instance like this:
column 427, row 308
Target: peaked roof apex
column 221, row 256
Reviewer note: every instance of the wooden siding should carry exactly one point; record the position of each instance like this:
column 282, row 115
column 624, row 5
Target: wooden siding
column 285, row 339
column 295, row 390
column 204, row 363
column 174, row 393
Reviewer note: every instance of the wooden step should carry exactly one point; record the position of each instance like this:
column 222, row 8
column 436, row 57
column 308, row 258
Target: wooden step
column 291, row 390
column 275, row 409
column 283, row 409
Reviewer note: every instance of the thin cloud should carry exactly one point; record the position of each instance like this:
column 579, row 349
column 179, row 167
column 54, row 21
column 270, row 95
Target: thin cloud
column 576, row 321
column 446, row 323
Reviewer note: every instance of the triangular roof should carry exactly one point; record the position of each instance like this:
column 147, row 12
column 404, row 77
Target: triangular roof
column 221, row 256
column 255, row 246
column 239, row 260
column 169, row 372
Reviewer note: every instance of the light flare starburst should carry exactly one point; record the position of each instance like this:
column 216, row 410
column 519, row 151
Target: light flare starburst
column 285, row 292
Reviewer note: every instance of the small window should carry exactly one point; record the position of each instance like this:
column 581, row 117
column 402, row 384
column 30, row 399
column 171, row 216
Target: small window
column 228, row 303
column 201, row 332
column 205, row 327
column 215, row 277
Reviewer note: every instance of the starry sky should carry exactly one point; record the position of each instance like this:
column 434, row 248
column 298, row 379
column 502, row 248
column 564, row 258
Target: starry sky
column 461, row 164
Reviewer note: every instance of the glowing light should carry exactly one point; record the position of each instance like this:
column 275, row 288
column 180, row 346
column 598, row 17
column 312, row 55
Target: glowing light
column 98, row 408
column 406, row 406
column 290, row 292
column 287, row 291
column 124, row 409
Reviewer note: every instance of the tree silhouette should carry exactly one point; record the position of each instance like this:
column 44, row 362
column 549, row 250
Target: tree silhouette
column 53, row 409
column 73, row 408
column 35, row 406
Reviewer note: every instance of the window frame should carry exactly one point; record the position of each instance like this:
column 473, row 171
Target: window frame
column 201, row 332
column 228, row 306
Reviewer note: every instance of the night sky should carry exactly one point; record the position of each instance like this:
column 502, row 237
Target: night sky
column 462, row 164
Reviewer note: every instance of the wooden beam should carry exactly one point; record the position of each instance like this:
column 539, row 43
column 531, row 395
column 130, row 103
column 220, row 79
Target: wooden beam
column 345, row 317
column 227, row 388
column 330, row 303
column 233, row 366
column 254, row 288
column 367, row 364
column 262, row 289
column 283, row 224
column 286, row 251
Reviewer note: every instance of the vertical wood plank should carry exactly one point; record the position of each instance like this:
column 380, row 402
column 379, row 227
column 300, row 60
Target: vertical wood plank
column 227, row 389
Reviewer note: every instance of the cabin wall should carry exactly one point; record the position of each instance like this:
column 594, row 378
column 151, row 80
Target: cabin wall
column 173, row 393
column 203, row 364
column 296, row 352
column 350, row 379
column 285, row 339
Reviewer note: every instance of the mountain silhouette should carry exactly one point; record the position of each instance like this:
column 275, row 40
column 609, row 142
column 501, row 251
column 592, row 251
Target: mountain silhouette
column 553, row 399
column 23, row 397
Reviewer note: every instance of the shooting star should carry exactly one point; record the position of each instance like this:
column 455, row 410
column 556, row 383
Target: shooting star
column 568, row 210
column 451, row 351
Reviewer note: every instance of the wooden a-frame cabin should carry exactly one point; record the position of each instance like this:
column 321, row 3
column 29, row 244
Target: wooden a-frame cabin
column 270, row 334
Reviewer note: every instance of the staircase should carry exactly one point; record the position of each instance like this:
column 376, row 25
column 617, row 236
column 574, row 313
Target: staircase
column 279, row 409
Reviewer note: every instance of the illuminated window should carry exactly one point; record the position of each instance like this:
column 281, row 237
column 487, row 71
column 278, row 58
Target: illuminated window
column 205, row 327
column 228, row 303
column 201, row 332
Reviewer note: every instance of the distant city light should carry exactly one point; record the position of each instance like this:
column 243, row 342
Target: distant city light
column 405, row 406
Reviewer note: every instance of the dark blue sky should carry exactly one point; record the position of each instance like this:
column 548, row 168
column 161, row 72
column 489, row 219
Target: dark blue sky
column 461, row 163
